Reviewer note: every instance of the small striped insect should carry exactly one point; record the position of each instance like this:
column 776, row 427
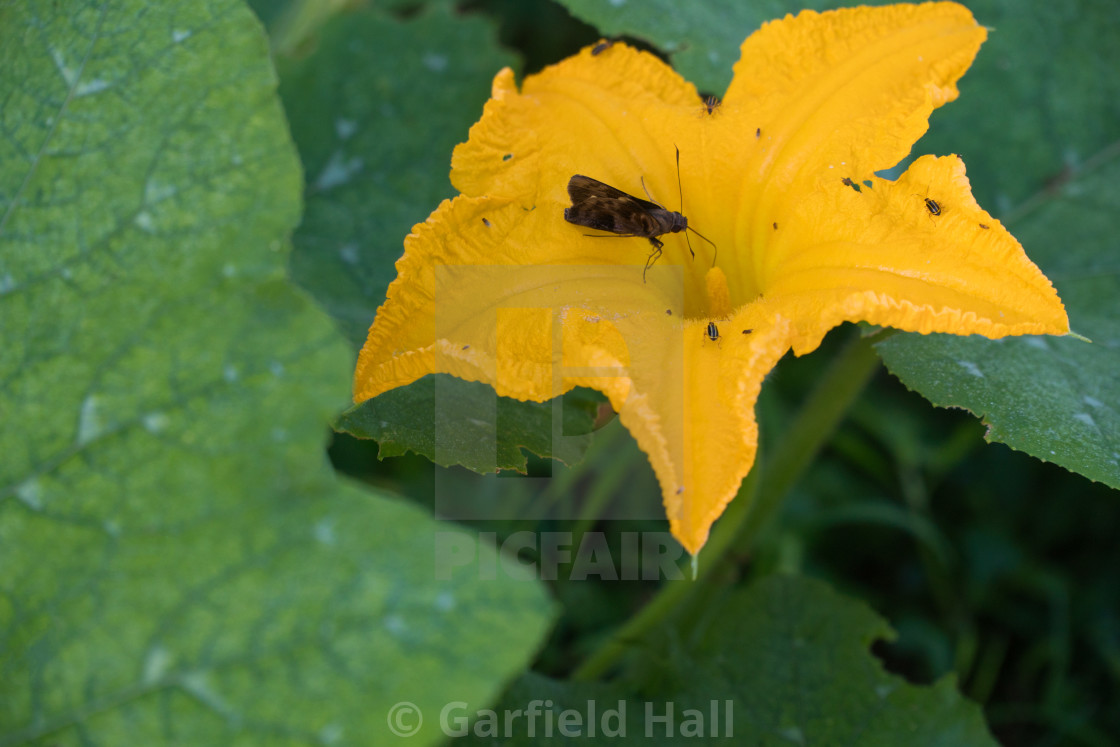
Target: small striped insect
column 932, row 205
column 712, row 331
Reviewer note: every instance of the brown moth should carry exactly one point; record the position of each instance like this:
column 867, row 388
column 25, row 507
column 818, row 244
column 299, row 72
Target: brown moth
column 602, row 207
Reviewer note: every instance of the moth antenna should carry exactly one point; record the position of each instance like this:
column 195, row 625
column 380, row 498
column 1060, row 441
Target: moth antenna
column 715, row 249
column 680, row 196
column 680, row 189
column 690, row 228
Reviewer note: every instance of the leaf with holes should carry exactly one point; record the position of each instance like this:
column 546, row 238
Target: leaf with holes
column 784, row 662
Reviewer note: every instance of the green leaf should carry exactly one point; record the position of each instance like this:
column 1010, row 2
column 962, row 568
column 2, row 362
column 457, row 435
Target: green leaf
column 1054, row 398
column 294, row 24
column 375, row 113
column 788, row 659
column 456, row 422
column 180, row 565
column 271, row 11
column 1037, row 117
column 1040, row 100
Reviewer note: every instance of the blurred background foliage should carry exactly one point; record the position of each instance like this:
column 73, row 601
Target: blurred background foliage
column 989, row 563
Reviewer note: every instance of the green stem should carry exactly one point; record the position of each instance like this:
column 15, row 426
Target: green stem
column 814, row 424
column 757, row 499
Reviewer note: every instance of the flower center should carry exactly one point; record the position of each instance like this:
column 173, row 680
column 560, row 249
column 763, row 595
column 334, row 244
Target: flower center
column 719, row 297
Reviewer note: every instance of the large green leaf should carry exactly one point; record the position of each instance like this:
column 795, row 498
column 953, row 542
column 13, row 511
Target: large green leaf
column 179, row 564
column 375, row 112
column 788, row 659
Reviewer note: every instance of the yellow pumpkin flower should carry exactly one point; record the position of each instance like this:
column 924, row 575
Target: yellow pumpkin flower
column 496, row 286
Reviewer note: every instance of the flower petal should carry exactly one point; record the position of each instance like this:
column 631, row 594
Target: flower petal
column 881, row 255
column 719, row 438
column 619, row 117
column 536, row 331
column 475, row 268
column 853, row 86
column 604, row 116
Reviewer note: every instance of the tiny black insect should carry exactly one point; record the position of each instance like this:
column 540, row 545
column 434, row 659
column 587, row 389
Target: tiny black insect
column 747, row 331
column 712, row 331
column 604, row 208
column 984, row 226
column 602, row 46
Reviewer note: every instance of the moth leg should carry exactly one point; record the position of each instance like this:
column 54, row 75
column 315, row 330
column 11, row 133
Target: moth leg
column 653, row 256
column 655, row 202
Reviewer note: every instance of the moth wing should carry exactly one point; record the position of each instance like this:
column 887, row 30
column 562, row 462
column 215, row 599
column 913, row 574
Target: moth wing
column 581, row 188
column 604, row 208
